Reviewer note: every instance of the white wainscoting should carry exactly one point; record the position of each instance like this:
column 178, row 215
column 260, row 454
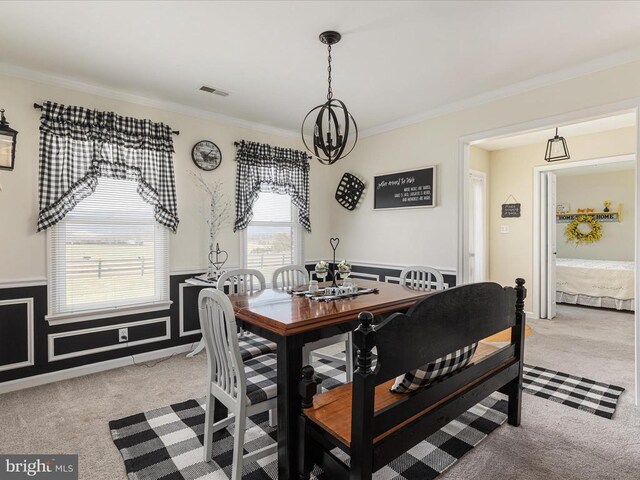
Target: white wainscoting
column 52, row 337
column 29, row 361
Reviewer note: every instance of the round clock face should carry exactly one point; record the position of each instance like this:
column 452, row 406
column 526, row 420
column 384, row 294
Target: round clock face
column 206, row 155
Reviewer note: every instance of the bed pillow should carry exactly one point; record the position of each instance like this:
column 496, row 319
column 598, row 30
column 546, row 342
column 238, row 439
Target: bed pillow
column 429, row 373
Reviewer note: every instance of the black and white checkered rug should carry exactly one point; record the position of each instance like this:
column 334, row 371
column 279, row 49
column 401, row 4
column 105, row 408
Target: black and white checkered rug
column 581, row 393
column 166, row 443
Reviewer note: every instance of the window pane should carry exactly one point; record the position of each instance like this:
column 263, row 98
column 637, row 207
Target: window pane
column 269, row 248
column 272, row 207
column 108, row 252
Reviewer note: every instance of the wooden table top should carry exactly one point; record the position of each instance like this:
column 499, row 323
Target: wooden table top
column 287, row 314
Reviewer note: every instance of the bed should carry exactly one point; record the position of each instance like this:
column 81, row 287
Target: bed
column 595, row 283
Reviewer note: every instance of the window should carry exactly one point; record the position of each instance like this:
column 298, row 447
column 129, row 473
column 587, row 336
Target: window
column 108, row 252
column 273, row 237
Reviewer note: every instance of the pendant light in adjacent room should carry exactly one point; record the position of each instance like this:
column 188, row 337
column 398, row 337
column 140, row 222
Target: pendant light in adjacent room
column 556, row 149
column 334, row 131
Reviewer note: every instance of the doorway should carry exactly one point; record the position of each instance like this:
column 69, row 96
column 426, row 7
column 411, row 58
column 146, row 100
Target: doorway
column 535, row 281
column 545, row 195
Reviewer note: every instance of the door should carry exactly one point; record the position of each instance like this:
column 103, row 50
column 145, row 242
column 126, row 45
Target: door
column 477, row 226
column 551, row 244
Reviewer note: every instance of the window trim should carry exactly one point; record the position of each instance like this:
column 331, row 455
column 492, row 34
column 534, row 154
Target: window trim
column 298, row 233
column 111, row 311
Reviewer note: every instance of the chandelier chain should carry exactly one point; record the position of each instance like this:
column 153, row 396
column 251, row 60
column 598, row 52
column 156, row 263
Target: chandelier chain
column 329, row 91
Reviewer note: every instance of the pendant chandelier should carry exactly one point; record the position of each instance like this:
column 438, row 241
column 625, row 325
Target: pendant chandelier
column 556, row 149
column 334, row 131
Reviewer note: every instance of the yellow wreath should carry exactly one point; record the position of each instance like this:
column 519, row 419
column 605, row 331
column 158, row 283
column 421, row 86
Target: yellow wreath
column 574, row 234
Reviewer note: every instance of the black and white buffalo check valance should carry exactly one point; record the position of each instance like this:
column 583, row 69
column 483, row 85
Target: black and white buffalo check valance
column 79, row 145
column 270, row 169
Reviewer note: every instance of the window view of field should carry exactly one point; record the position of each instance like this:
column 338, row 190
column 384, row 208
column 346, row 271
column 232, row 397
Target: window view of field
column 269, row 248
column 108, row 271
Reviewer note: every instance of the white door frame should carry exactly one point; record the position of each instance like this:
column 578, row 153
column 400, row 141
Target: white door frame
column 538, row 244
column 485, row 218
column 560, row 120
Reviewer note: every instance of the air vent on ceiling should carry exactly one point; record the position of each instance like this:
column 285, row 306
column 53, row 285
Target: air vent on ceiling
column 216, row 91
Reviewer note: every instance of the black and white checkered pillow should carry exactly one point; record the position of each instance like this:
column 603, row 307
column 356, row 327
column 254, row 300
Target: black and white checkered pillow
column 427, row 374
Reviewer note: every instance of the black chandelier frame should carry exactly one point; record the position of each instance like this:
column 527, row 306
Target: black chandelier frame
column 329, row 146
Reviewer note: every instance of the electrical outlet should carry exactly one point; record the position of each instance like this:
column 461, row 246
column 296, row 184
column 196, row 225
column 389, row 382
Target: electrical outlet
column 504, row 228
column 123, row 335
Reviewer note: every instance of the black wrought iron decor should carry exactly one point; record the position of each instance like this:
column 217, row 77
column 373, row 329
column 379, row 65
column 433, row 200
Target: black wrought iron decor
column 349, row 191
column 334, row 242
column 334, row 130
column 7, row 144
column 221, row 258
column 556, row 149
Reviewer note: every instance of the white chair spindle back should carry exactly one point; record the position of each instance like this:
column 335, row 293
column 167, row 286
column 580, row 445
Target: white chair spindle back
column 242, row 281
column 422, row 278
column 290, row 276
column 219, row 331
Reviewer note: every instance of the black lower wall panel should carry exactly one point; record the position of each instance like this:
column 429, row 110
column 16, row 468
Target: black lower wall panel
column 14, row 318
column 42, row 329
column 384, row 272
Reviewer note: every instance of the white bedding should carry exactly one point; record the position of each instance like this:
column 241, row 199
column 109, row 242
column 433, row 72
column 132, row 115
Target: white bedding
column 599, row 283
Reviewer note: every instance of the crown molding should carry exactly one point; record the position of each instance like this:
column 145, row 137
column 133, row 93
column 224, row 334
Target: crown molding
column 559, row 76
column 123, row 96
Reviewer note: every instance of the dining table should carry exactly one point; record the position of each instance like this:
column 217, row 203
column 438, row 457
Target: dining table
column 291, row 321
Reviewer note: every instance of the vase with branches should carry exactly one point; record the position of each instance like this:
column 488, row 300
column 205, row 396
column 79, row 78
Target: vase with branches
column 219, row 213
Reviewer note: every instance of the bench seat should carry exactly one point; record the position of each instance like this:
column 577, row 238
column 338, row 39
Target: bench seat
column 332, row 409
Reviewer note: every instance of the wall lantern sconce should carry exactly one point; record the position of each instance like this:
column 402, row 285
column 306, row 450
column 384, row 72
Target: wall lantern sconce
column 556, row 149
column 7, row 144
column 334, row 130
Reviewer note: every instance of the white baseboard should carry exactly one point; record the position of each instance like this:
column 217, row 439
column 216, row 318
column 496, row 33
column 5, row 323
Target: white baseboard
column 36, row 380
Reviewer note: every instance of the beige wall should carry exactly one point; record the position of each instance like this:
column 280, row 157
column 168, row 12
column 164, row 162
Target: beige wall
column 479, row 159
column 589, row 191
column 22, row 252
column 430, row 236
column 511, row 173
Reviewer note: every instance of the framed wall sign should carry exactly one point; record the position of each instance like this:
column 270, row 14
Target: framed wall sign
column 511, row 210
column 407, row 189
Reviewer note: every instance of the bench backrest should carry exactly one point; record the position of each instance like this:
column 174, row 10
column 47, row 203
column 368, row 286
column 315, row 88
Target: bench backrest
column 436, row 326
column 440, row 324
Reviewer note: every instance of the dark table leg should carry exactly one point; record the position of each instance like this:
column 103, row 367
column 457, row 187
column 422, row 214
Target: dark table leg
column 220, row 412
column 289, row 373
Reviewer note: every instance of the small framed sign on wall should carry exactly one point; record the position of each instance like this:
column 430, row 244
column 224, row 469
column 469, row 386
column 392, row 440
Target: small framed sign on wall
column 511, row 210
column 407, row 189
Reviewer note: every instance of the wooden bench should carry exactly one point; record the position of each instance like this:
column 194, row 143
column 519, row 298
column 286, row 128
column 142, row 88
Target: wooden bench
column 373, row 425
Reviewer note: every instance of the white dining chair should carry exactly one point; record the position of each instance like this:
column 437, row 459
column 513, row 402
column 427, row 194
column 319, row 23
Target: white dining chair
column 242, row 280
column 245, row 388
column 422, row 278
column 290, row 276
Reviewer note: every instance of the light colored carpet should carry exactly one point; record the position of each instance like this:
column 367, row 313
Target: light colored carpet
column 554, row 441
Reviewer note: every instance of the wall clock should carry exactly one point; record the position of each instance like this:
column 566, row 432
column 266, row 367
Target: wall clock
column 206, row 155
